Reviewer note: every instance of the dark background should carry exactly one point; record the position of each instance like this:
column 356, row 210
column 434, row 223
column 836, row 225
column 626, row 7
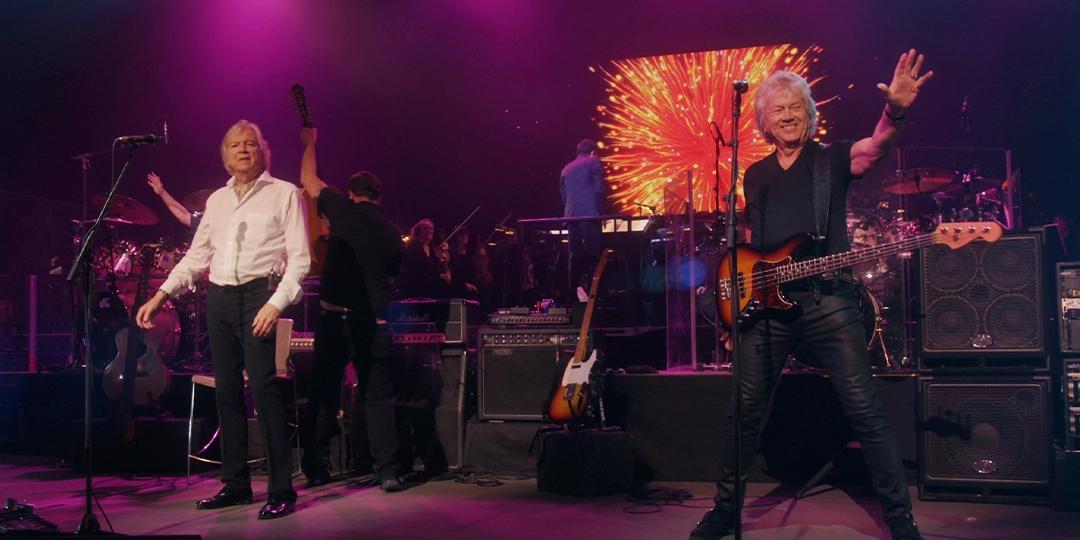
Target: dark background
column 474, row 102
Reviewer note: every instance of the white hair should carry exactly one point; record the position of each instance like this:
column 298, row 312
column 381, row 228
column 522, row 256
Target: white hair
column 241, row 125
column 775, row 83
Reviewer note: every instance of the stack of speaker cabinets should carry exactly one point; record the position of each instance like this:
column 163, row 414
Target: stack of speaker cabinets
column 988, row 371
column 1066, row 493
column 431, row 371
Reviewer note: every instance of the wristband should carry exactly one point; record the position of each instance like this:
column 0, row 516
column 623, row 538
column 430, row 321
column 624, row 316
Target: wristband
column 896, row 119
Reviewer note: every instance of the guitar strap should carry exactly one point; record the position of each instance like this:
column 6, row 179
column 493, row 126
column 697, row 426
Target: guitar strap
column 822, row 189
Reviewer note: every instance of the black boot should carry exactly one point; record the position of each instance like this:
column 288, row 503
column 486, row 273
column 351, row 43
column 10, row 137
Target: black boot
column 904, row 528
column 714, row 525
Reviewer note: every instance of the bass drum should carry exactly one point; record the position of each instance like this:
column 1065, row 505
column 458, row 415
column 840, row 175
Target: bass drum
column 871, row 320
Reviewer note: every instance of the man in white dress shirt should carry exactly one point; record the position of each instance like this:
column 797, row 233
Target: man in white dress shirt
column 253, row 241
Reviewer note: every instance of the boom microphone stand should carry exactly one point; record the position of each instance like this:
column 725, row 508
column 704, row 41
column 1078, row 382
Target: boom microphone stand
column 740, row 88
column 81, row 268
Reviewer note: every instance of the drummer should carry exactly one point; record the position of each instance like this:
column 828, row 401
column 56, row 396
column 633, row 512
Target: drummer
column 183, row 215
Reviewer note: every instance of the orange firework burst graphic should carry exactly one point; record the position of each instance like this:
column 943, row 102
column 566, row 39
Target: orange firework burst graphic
column 656, row 120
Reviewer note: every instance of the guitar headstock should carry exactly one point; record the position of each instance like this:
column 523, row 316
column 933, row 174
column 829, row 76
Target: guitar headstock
column 301, row 105
column 957, row 235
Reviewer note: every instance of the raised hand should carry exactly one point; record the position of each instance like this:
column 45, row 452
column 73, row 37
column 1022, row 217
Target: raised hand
column 906, row 82
column 309, row 135
column 155, row 183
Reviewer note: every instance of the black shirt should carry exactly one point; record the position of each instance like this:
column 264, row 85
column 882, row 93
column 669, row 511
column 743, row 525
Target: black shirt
column 363, row 254
column 421, row 274
column 780, row 203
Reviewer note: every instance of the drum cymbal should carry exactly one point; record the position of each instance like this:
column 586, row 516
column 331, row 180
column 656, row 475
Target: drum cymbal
column 127, row 209
column 921, row 180
column 974, row 184
column 196, row 201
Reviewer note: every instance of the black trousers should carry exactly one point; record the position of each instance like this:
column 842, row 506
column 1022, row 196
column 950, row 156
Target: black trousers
column 830, row 326
column 230, row 311
column 341, row 338
column 585, row 245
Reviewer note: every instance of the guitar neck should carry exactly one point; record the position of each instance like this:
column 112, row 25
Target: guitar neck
column 804, row 269
column 586, row 321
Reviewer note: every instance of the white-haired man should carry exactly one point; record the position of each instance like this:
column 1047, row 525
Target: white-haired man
column 253, row 241
column 802, row 188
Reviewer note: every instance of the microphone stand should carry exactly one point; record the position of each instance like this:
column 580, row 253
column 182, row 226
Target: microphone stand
column 733, row 285
column 82, row 267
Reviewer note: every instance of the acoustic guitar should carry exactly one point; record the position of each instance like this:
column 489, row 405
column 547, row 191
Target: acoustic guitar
column 318, row 232
column 137, row 375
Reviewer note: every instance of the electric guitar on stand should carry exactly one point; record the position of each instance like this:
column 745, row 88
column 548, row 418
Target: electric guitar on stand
column 572, row 387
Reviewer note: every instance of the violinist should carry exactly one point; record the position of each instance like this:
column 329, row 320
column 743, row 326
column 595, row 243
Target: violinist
column 424, row 273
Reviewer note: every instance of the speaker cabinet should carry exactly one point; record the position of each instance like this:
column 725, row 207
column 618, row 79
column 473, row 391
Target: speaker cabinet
column 517, row 367
column 984, row 439
column 984, row 301
column 454, row 406
column 431, row 403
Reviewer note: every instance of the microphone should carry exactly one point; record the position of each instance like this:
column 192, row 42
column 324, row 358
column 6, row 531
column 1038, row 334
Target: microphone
column 741, row 86
column 165, row 130
column 136, row 140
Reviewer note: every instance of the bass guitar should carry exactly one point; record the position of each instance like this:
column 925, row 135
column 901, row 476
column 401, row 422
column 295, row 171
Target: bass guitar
column 760, row 275
column 571, row 392
column 136, row 376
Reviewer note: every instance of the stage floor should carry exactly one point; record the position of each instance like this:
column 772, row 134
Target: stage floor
column 515, row 510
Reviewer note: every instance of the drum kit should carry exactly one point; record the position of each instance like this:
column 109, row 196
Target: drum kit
column 924, row 198
column 116, row 271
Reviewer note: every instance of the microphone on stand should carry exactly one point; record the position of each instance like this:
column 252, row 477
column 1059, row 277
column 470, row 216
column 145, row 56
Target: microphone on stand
column 149, row 139
column 740, row 86
column 136, row 140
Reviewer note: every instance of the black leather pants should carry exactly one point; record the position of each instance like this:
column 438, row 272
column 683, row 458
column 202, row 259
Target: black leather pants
column 830, row 327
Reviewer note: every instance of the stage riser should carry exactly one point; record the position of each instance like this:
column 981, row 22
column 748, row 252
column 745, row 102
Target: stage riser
column 678, row 421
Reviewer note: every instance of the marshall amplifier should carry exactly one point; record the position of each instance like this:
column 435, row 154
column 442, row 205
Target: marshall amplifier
column 516, row 369
column 451, row 316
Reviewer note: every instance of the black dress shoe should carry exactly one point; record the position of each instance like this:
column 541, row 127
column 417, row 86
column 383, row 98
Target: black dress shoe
column 224, row 498
column 276, row 506
column 904, row 528
column 714, row 525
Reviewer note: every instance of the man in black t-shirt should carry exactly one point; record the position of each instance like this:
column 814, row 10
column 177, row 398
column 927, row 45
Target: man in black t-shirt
column 362, row 258
column 802, row 188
